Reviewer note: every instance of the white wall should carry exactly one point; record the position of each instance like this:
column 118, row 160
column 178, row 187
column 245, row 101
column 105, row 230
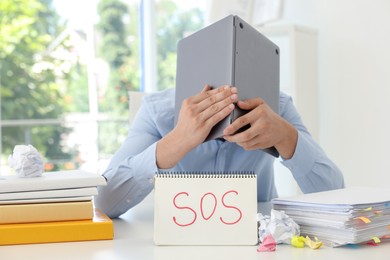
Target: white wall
column 354, row 73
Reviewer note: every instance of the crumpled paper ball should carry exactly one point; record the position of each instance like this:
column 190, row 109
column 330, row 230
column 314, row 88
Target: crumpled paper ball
column 26, row 161
column 279, row 225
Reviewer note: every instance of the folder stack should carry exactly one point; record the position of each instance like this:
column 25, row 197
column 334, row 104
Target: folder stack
column 346, row 216
column 56, row 207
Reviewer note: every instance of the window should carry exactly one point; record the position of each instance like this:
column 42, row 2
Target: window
column 65, row 72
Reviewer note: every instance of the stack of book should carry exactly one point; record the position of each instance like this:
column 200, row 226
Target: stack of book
column 346, row 216
column 56, row 207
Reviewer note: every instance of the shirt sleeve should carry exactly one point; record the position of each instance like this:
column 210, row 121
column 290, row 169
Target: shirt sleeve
column 130, row 174
column 310, row 166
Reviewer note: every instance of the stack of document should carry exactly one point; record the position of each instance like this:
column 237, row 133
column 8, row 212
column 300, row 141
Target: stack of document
column 51, row 208
column 346, row 216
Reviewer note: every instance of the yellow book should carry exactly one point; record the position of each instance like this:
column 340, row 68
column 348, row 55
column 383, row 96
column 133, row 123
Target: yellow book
column 98, row 228
column 45, row 212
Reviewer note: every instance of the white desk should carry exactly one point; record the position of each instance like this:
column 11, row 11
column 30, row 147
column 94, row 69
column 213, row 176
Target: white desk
column 134, row 240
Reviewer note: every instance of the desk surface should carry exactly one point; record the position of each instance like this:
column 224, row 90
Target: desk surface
column 134, row 240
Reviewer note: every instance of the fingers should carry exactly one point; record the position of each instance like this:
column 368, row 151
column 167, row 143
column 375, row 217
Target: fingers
column 218, row 116
column 266, row 127
column 223, row 97
column 257, row 136
column 209, row 101
column 247, row 119
column 250, row 144
column 208, row 107
column 239, row 123
column 206, row 92
column 215, row 104
column 251, row 138
column 209, row 92
column 206, row 88
column 249, row 104
column 248, row 139
column 230, row 131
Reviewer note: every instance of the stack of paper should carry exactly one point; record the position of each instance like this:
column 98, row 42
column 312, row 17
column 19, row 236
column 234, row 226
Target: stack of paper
column 51, row 205
column 339, row 217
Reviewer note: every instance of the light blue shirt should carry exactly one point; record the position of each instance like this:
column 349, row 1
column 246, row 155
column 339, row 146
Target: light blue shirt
column 130, row 174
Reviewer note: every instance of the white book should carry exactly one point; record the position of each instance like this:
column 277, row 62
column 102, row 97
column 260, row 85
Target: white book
column 45, row 200
column 51, row 181
column 61, row 193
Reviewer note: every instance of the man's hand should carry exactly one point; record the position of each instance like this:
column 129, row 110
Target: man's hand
column 198, row 115
column 266, row 129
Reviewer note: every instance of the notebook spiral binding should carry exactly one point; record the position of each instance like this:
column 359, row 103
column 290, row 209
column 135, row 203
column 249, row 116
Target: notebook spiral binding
column 211, row 175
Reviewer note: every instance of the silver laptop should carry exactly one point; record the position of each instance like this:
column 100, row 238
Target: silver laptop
column 228, row 52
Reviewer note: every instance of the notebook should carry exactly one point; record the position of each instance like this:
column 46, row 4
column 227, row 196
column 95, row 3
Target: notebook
column 205, row 209
column 228, row 52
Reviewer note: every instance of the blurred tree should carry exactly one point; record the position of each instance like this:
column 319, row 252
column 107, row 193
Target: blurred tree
column 113, row 43
column 114, row 49
column 28, row 75
column 120, row 22
column 119, row 28
column 173, row 24
column 118, row 46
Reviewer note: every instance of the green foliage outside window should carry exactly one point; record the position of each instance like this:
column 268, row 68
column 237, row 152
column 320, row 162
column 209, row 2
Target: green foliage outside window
column 34, row 84
column 29, row 77
column 119, row 47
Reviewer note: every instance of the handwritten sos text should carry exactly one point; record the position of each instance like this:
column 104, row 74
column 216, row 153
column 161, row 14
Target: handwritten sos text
column 205, row 216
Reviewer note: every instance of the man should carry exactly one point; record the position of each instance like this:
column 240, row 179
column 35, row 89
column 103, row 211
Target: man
column 154, row 144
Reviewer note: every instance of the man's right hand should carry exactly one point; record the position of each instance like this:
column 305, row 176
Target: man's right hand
column 198, row 115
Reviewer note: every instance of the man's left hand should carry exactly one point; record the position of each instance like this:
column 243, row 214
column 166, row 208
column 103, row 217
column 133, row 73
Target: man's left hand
column 266, row 129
